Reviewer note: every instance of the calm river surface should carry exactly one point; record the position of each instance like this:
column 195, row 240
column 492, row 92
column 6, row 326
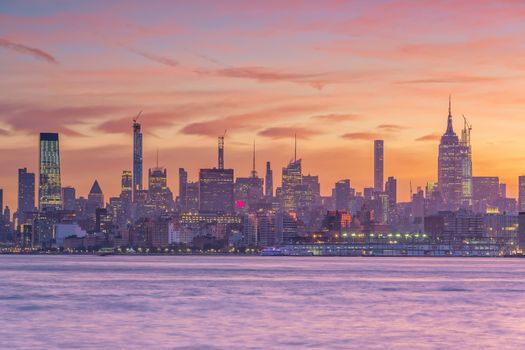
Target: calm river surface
column 194, row 302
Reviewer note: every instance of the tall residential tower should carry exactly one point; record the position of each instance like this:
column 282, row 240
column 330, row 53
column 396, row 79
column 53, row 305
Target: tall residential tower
column 378, row 165
column 49, row 189
column 137, row 156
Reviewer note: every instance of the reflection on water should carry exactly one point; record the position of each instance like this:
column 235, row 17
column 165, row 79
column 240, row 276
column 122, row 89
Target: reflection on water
column 261, row 303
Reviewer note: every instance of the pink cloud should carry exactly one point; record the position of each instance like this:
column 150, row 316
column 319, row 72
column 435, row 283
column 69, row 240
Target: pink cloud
column 361, row 136
column 429, row 137
column 28, row 50
column 289, row 132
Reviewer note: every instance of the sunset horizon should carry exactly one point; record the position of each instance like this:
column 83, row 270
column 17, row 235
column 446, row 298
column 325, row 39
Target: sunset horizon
column 262, row 174
column 335, row 89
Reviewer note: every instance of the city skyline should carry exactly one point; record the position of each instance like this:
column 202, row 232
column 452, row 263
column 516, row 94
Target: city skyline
column 377, row 165
column 336, row 90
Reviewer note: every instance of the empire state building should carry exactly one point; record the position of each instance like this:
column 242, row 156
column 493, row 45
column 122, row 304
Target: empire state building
column 455, row 166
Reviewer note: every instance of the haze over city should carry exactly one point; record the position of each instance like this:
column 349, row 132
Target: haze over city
column 339, row 75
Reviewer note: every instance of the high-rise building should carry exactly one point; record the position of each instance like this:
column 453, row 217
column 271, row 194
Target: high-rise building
column 291, row 179
column 342, row 195
column 137, row 157
column 192, row 197
column 485, row 192
column 126, row 195
column 465, row 153
column 70, row 198
column 521, row 195
column 26, row 192
column 313, row 188
column 503, row 190
column 95, row 199
column 450, row 166
column 216, row 191
column 378, row 165
column 49, row 189
column 269, row 181
column 159, row 195
column 183, row 184
column 391, row 191
column 1, row 202
column 126, row 186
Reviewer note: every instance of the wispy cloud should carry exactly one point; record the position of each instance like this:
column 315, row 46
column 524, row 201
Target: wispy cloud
column 452, row 79
column 28, row 50
column 429, row 137
column 390, row 127
column 335, row 118
column 289, row 132
column 267, row 75
column 31, row 118
column 251, row 121
column 363, row 136
column 156, row 58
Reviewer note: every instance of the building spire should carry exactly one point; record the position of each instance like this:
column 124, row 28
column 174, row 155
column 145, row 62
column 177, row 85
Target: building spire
column 450, row 105
column 295, row 148
column 157, row 157
column 254, row 172
column 450, row 130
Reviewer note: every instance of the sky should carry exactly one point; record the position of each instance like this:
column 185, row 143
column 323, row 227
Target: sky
column 339, row 74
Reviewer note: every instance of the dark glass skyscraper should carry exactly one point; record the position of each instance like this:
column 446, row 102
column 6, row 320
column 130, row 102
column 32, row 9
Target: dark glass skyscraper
column 137, row 157
column 216, row 191
column 269, row 181
column 69, row 196
column 49, row 189
column 26, row 192
column 183, row 185
column 521, row 194
column 342, row 195
column 378, row 166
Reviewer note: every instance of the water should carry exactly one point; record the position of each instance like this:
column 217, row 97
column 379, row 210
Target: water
column 193, row 302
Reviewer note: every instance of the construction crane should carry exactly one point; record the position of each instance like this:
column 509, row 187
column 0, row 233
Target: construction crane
column 465, row 133
column 137, row 117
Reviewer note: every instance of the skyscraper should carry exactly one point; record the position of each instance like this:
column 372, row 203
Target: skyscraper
column 248, row 191
column 126, row 185
column 95, row 199
column 137, row 156
column 465, row 153
column 378, row 165
column 391, row 191
column 159, row 195
column 49, row 189
column 269, row 181
column 450, row 166
column 292, row 178
column 342, row 195
column 70, row 197
column 521, row 193
column 183, row 185
column 216, row 191
column 126, row 196
column 26, row 192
